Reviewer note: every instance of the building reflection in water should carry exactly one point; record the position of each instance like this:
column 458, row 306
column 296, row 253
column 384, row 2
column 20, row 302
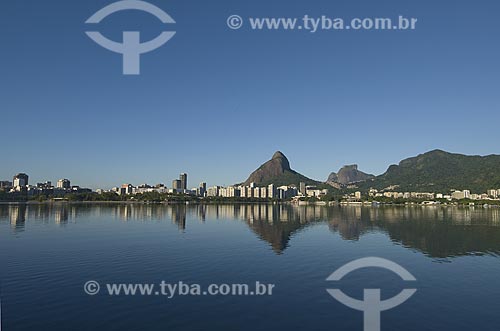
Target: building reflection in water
column 17, row 216
column 178, row 216
column 436, row 231
column 61, row 215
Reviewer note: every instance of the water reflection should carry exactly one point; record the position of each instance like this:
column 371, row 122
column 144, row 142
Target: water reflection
column 438, row 232
column 17, row 216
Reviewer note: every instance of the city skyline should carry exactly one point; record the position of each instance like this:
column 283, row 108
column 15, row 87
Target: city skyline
column 169, row 180
column 20, row 183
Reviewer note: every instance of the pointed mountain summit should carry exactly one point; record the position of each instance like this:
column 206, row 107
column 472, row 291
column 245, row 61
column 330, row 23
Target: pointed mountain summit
column 277, row 171
column 279, row 155
column 348, row 174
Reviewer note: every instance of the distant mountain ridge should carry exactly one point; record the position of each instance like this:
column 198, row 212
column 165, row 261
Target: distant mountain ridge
column 348, row 174
column 440, row 171
column 434, row 171
column 277, row 171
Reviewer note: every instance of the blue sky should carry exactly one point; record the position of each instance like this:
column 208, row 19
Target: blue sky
column 216, row 102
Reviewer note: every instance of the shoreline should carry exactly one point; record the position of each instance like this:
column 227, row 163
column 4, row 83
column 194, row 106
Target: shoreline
column 302, row 203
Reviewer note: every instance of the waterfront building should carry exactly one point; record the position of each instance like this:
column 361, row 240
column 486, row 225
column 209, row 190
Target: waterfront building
column 213, row 191
column 20, row 180
column 202, row 189
column 233, row 192
column 458, row 195
column 4, row 184
column 126, row 189
column 285, row 192
column 46, row 185
column 263, row 192
column 63, row 184
column 177, row 185
column 271, row 191
column 184, row 181
column 302, row 188
column 492, row 193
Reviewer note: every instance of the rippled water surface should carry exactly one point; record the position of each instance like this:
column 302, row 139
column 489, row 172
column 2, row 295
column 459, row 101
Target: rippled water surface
column 48, row 252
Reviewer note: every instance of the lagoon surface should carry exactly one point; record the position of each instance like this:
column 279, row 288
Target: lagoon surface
column 49, row 251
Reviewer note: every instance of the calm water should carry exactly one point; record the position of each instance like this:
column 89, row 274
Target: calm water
column 47, row 253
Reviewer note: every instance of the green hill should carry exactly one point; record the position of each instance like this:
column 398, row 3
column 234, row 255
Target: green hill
column 439, row 171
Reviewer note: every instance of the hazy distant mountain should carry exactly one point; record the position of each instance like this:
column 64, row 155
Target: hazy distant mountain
column 277, row 171
column 440, row 171
column 348, row 174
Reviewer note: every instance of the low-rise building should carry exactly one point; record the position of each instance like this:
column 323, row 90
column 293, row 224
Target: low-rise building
column 126, row 189
column 213, row 191
column 458, row 195
column 492, row 193
column 5, row 184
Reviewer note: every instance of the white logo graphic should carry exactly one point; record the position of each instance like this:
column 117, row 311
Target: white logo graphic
column 371, row 306
column 91, row 287
column 131, row 47
column 234, row 22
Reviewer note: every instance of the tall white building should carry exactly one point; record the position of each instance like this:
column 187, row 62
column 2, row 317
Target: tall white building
column 271, row 191
column 20, row 180
column 63, row 183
